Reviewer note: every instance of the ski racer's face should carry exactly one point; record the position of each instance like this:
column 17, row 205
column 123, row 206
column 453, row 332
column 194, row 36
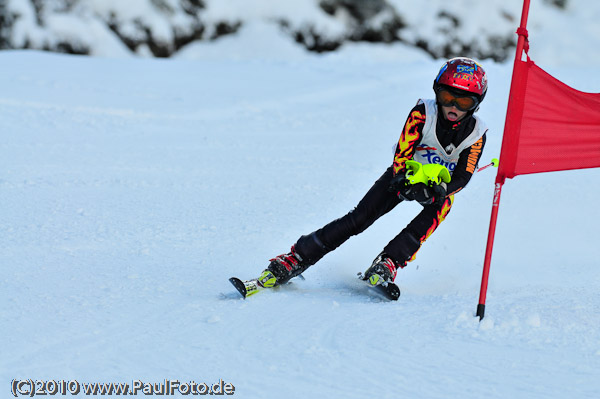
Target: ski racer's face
column 452, row 113
column 459, row 98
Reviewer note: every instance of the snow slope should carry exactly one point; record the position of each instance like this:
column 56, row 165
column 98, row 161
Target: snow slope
column 133, row 188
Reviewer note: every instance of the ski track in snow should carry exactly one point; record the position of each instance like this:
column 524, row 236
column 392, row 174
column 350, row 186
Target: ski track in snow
column 132, row 189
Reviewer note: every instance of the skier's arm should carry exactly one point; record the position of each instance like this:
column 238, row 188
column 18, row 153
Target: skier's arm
column 465, row 167
column 409, row 138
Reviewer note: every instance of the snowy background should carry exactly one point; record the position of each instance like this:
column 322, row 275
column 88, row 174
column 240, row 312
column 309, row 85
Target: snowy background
column 164, row 28
column 132, row 188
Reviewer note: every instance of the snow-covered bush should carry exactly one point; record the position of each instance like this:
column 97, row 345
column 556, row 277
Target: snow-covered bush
column 481, row 29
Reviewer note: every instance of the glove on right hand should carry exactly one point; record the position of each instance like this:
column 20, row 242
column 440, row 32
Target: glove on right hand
column 398, row 185
column 420, row 192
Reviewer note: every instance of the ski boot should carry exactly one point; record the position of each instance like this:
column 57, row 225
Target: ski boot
column 382, row 270
column 283, row 268
column 381, row 275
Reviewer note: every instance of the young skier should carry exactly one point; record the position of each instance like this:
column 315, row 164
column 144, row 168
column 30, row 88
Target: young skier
column 442, row 131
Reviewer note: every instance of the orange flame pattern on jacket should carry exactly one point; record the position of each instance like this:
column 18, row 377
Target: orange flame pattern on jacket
column 440, row 217
column 406, row 144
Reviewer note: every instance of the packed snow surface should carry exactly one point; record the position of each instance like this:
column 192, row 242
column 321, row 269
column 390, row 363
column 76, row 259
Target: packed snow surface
column 132, row 189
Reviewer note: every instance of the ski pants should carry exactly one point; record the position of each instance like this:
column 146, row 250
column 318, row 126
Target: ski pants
column 377, row 202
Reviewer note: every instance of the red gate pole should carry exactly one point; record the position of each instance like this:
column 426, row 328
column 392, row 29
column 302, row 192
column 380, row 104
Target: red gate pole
column 490, row 245
column 513, row 119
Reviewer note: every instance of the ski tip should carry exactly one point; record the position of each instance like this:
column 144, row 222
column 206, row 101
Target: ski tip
column 239, row 285
column 393, row 291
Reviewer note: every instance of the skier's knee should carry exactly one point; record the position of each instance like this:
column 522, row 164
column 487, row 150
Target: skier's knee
column 311, row 248
column 358, row 222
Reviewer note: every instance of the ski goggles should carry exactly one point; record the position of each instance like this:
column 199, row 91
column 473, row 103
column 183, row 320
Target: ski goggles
column 464, row 103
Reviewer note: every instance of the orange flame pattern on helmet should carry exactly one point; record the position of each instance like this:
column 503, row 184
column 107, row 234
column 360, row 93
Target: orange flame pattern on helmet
column 410, row 135
column 440, row 217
